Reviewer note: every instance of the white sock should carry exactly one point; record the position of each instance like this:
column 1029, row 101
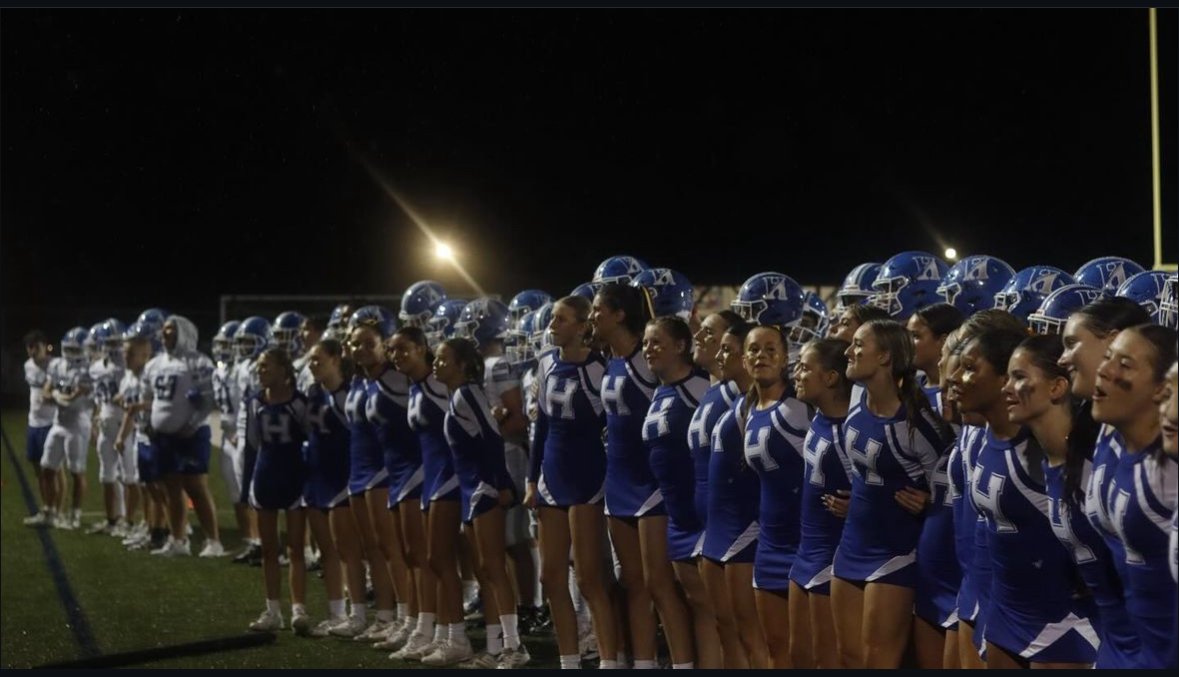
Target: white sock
column 623, row 659
column 336, row 608
column 495, row 639
column 402, row 611
column 608, row 665
column 571, row 662
column 385, row 615
column 411, row 623
column 511, row 625
column 273, row 607
column 77, row 512
column 359, row 611
column 645, row 665
column 298, row 610
column 441, row 632
column 458, row 634
column 683, row 666
column 425, row 625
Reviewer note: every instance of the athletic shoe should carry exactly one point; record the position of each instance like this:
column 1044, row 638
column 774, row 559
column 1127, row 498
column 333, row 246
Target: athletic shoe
column 414, row 648
column 103, row 527
column 324, row 629
column 375, row 632
column 301, row 624
column 41, row 520
column 174, row 548
column 513, row 659
column 243, row 556
column 214, row 549
column 396, row 639
column 448, row 653
column 267, row 622
column 63, row 522
column 120, row 530
column 480, row 661
column 351, row 627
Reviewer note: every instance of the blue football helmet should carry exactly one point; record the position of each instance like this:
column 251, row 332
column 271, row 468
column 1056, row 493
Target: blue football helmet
column 442, row 324
column 93, row 342
column 908, row 282
column 252, row 337
column 73, row 346
column 816, row 319
column 1107, row 273
column 376, row 317
column 621, row 269
column 588, row 290
column 483, row 321
column 139, row 330
column 223, row 341
column 154, row 317
column 1059, row 305
column 1146, row 289
column 1169, row 303
column 518, row 345
column 337, row 326
column 285, row 332
column 668, row 292
column 110, row 338
column 541, row 339
column 971, row 284
column 419, row 303
column 770, row 299
column 856, row 287
column 1025, row 293
column 527, row 301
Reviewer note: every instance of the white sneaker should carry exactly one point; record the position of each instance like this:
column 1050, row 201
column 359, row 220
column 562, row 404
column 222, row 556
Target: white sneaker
column 267, row 622
column 375, row 632
column 214, row 549
column 513, row 659
column 41, row 519
column 103, row 527
column 174, row 548
column 301, row 624
column 395, row 639
column 63, row 522
column 414, row 647
column 324, row 629
column 120, row 530
column 448, row 653
column 351, row 627
column 137, row 542
column 480, row 661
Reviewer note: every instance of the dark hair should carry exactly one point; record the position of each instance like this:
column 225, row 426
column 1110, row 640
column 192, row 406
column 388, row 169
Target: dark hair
column 991, row 319
column 417, row 336
column 283, row 360
column 581, row 308
column 895, row 339
column 941, row 318
column 34, row 337
column 335, row 349
column 1109, row 314
column 832, row 354
column 316, row 322
column 679, row 331
column 1045, row 352
column 997, row 346
column 731, row 319
column 630, row 301
column 866, row 312
column 1163, row 339
column 469, row 356
column 740, row 329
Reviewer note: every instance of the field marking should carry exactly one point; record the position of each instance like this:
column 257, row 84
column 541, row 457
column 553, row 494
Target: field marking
column 65, row 592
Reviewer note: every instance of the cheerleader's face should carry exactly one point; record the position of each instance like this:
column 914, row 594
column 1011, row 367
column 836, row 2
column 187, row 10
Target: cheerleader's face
column 324, row 367
column 864, row 357
column 446, row 366
column 308, row 334
column 1083, row 353
column 977, row 385
column 730, row 358
column 1125, row 386
column 368, row 350
column 270, row 375
column 706, row 341
column 844, row 328
column 565, row 328
column 810, row 379
column 765, row 355
column 926, row 346
column 603, row 320
column 1169, row 412
column 662, row 352
column 406, row 355
column 1030, row 393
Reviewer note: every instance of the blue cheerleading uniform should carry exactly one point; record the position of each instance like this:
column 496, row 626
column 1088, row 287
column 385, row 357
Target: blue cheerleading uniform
column 328, row 449
column 386, row 409
column 828, row 470
column 773, row 448
column 734, row 494
column 966, row 520
column 716, row 401
column 568, row 460
column 939, row 574
column 665, row 431
column 428, row 404
column 367, row 460
column 278, row 431
column 1035, row 612
column 631, row 487
column 478, row 451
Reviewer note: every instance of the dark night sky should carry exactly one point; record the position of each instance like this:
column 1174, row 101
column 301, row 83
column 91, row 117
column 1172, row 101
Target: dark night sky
column 166, row 157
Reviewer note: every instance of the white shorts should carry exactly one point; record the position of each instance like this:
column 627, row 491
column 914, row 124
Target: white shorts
column 129, row 462
column 67, row 447
column 228, row 463
column 517, row 524
column 108, row 458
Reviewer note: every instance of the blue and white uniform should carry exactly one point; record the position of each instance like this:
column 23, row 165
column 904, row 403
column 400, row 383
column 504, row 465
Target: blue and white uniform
column 41, row 412
column 938, row 573
column 180, row 384
column 106, row 374
column 247, row 386
column 227, row 394
column 139, row 456
column 828, row 470
column 568, row 461
column 478, row 451
column 734, row 493
column 774, row 438
column 367, row 460
column 716, row 401
column 1119, row 643
column 1035, row 612
column 500, row 378
column 387, row 410
column 976, row 579
column 68, row 440
column 665, row 432
column 1142, row 497
column 879, row 542
column 428, row 403
column 627, row 388
column 278, row 431
column 327, row 454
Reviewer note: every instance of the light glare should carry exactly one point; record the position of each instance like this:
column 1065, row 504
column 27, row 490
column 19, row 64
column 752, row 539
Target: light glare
column 952, row 254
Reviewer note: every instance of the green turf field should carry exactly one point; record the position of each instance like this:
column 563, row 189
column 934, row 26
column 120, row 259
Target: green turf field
column 133, row 601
